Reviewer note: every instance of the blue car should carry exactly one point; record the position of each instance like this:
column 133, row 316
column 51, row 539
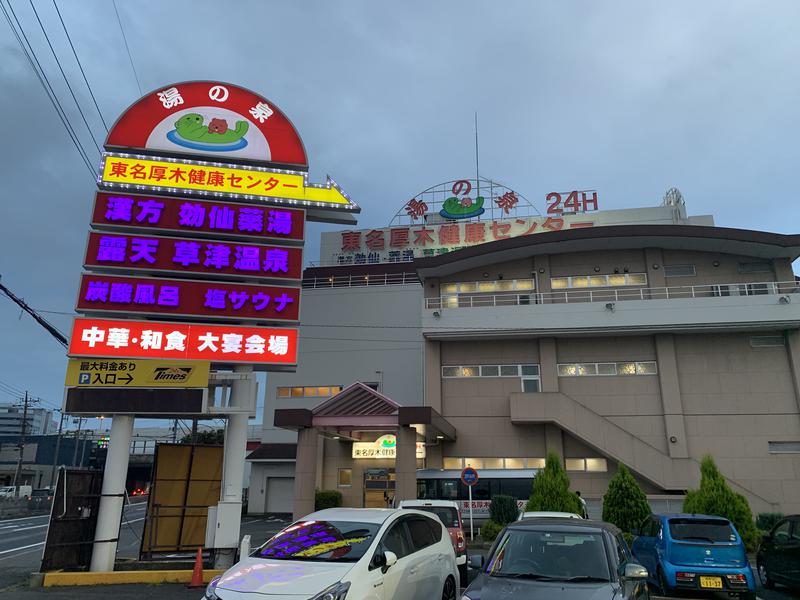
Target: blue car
column 694, row 552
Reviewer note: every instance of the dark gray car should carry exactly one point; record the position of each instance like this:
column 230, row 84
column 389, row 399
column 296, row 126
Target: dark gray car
column 558, row 558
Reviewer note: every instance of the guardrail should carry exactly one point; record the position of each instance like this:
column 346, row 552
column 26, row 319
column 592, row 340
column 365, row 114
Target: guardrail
column 583, row 295
column 346, row 281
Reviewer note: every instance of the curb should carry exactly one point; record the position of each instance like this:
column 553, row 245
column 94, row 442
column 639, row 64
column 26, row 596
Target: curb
column 122, row 577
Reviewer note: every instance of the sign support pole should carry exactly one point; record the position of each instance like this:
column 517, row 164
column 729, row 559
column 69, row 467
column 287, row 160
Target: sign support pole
column 233, row 465
column 109, row 513
column 471, row 531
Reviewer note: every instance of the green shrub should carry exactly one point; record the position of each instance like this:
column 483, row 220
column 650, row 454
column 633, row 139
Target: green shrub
column 766, row 521
column 490, row 531
column 625, row 504
column 327, row 499
column 503, row 509
column 715, row 497
column 551, row 489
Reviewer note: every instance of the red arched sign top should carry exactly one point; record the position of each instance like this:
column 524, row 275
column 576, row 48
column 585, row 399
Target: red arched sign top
column 209, row 119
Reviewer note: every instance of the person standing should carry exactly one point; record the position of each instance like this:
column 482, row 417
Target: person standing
column 584, row 512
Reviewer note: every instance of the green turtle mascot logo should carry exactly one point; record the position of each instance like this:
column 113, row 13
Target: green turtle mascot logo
column 464, row 207
column 191, row 132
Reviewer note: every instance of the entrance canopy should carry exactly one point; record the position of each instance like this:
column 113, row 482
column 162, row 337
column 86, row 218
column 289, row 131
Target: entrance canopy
column 358, row 411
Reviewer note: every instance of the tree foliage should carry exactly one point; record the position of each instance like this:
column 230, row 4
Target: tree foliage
column 327, row 499
column 214, row 437
column 715, row 497
column 625, row 504
column 503, row 509
column 551, row 489
column 490, row 530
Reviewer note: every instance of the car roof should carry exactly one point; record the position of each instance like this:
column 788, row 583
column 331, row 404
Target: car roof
column 550, row 514
column 359, row 515
column 690, row 516
column 564, row 523
column 417, row 503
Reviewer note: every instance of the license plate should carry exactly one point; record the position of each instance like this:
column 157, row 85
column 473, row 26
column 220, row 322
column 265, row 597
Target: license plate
column 714, row 583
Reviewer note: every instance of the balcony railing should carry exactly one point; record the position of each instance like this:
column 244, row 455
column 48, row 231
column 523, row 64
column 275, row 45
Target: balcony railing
column 759, row 288
column 360, row 280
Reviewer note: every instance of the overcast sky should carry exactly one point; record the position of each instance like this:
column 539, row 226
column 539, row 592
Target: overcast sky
column 629, row 98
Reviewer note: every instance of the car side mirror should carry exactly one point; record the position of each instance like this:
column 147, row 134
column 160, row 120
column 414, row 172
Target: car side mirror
column 476, row 561
column 635, row 571
column 389, row 559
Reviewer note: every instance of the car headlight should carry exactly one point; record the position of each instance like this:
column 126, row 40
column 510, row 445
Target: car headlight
column 338, row 591
column 211, row 590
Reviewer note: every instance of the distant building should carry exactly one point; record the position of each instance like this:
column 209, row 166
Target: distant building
column 40, row 420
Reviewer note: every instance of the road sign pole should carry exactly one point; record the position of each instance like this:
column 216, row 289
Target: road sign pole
column 471, row 531
column 109, row 513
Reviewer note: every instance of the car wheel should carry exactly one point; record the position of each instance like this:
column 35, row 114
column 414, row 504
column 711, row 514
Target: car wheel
column 449, row 590
column 463, row 575
column 764, row 576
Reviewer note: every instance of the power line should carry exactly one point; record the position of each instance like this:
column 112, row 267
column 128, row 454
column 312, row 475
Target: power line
column 42, row 77
column 127, row 48
column 52, row 330
column 64, row 75
column 80, row 66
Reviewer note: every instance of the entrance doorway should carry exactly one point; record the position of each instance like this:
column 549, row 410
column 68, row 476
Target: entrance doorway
column 379, row 486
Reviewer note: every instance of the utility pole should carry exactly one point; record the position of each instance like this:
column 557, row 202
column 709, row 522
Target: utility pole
column 175, row 431
column 21, row 447
column 77, row 437
column 58, row 448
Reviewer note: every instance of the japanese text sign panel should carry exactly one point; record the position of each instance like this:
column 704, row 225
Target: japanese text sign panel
column 178, row 297
column 384, row 447
column 184, row 255
column 222, row 219
column 137, row 373
column 208, row 178
column 209, row 118
column 182, row 341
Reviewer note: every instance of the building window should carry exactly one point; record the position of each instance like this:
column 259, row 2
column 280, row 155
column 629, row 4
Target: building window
column 452, row 463
column 754, row 267
column 528, row 373
column 473, row 290
column 767, row 341
column 679, row 271
column 595, row 281
column 456, row 464
column 309, row 392
column 596, row 465
column 575, row 464
column 605, row 369
column 784, row 447
column 345, row 478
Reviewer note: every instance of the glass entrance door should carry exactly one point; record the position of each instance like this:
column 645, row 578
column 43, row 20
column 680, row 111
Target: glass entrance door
column 379, row 486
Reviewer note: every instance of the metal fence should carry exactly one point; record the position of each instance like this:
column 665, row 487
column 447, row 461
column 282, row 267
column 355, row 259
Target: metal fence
column 360, row 280
column 583, row 295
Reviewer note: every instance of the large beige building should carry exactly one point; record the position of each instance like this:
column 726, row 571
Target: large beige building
column 652, row 344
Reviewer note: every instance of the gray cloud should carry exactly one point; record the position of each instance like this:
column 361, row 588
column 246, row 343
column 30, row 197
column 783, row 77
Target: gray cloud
column 629, row 98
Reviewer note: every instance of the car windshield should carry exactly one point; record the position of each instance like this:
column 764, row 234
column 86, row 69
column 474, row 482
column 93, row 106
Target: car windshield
column 446, row 514
column 553, row 555
column 706, row 530
column 343, row 541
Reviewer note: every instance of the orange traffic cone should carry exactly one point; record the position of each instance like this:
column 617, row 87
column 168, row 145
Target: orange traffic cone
column 197, row 572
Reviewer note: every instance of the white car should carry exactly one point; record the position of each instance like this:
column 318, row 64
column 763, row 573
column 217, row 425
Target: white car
column 539, row 514
column 348, row 554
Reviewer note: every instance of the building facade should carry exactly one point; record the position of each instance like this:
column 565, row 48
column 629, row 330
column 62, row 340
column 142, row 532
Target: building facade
column 645, row 340
column 39, row 422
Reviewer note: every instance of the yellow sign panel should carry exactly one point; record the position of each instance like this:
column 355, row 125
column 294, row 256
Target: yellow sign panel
column 157, row 174
column 116, row 373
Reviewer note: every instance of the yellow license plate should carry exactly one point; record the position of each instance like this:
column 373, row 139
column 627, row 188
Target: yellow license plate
column 714, row 583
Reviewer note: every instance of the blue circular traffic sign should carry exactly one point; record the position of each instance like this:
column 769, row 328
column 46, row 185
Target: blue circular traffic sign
column 469, row 476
